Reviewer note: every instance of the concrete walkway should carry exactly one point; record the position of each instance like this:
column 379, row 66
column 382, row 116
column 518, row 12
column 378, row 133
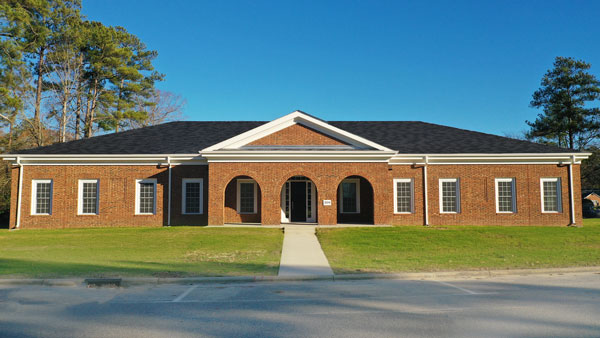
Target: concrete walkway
column 301, row 254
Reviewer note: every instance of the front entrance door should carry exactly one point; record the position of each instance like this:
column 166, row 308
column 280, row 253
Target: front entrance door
column 298, row 199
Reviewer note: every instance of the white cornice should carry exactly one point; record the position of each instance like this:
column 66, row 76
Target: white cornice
column 298, row 156
column 517, row 158
column 105, row 159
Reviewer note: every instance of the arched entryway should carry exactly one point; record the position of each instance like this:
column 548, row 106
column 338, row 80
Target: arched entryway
column 242, row 201
column 355, row 201
column 299, row 200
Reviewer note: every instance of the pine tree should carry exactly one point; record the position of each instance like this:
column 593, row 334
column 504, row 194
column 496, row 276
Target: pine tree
column 565, row 92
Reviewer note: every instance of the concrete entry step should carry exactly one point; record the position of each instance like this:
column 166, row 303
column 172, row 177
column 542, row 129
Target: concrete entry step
column 301, row 254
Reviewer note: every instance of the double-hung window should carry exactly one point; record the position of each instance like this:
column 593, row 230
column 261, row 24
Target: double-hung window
column 145, row 196
column 449, row 195
column 246, row 196
column 87, row 202
column 551, row 194
column 350, row 196
column 403, row 196
column 506, row 198
column 41, row 197
column 192, row 196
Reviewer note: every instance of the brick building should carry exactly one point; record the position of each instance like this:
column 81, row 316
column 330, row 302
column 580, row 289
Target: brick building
column 297, row 168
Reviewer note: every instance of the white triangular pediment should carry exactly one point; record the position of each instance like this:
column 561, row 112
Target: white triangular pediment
column 238, row 142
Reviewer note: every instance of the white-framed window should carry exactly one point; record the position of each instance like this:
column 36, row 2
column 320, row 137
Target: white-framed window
column 403, row 196
column 506, row 196
column 246, row 196
column 41, row 197
column 145, row 196
column 88, row 197
column 192, row 196
column 551, row 194
column 350, row 196
column 449, row 195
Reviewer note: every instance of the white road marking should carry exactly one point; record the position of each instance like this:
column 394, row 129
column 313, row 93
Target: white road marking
column 184, row 294
column 458, row 287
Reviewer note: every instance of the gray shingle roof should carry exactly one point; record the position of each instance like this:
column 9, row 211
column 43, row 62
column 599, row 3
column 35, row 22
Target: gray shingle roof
column 187, row 137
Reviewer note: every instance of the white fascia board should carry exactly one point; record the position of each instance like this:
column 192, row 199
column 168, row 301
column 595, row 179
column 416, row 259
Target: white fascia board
column 298, row 156
column 287, row 121
column 105, row 159
column 516, row 158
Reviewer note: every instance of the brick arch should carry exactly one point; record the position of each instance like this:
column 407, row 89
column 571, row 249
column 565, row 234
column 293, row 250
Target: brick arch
column 366, row 214
column 230, row 214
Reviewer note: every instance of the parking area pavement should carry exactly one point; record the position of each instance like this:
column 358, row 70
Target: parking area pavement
column 534, row 305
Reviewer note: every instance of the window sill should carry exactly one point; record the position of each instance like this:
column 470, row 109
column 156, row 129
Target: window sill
column 41, row 214
column 404, row 213
column 144, row 214
column 87, row 214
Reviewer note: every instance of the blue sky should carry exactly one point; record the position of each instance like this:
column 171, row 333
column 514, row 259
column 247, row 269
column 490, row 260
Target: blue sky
column 471, row 65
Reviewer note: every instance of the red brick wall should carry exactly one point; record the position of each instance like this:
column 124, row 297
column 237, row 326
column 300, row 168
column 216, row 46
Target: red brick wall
column 297, row 135
column 116, row 196
column 478, row 204
column 117, row 193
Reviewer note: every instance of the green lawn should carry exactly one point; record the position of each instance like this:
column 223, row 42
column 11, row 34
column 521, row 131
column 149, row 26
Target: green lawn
column 418, row 248
column 158, row 252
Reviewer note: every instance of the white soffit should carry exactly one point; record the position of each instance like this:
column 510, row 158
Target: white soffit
column 288, row 120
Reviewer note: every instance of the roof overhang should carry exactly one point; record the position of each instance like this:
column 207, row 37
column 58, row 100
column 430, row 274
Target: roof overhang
column 298, row 156
column 525, row 158
column 105, row 159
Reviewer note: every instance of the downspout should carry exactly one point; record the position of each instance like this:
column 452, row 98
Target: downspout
column 19, row 193
column 169, row 194
column 572, row 199
column 425, row 198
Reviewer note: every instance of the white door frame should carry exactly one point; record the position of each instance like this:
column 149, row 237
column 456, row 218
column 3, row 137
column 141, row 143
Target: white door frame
column 313, row 201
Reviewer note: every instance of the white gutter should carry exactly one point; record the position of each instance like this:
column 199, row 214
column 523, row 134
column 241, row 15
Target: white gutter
column 169, row 194
column 572, row 199
column 19, row 193
column 425, row 201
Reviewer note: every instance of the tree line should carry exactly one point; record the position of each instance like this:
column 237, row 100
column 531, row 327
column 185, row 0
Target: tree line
column 63, row 77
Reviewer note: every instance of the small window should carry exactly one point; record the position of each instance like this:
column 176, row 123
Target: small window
column 246, row 196
column 403, row 196
column 449, row 195
column 551, row 195
column 145, row 201
column 192, row 196
column 88, row 197
column 506, row 199
column 350, row 196
column 41, row 197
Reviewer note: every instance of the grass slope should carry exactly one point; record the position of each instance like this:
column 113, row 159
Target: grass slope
column 418, row 248
column 159, row 252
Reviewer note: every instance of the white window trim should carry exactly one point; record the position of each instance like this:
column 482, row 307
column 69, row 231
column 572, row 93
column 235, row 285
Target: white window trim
column 558, row 194
column 184, row 195
column 457, row 182
column 341, row 204
column 412, row 195
column 137, row 195
column 239, row 196
column 34, row 197
column 514, row 195
column 80, row 197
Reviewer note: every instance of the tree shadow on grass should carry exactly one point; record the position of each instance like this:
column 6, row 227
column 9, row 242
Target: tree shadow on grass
column 15, row 268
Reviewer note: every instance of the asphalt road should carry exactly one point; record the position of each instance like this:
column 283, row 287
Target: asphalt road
column 549, row 305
